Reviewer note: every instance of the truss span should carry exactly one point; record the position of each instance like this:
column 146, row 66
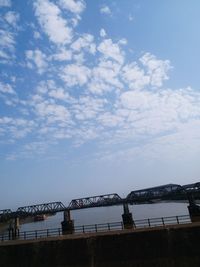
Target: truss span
column 163, row 193
column 95, row 201
column 5, row 212
column 46, row 208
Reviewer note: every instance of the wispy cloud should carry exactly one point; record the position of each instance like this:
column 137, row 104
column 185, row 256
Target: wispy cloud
column 50, row 19
column 86, row 87
column 105, row 10
column 5, row 3
column 12, row 18
column 76, row 7
column 36, row 58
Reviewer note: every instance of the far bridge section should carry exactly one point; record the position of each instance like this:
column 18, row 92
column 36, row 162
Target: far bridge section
column 167, row 192
column 95, row 201
column 5, row 214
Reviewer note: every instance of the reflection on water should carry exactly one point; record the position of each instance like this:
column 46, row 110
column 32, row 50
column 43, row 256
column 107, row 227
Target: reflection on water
column 110, row 214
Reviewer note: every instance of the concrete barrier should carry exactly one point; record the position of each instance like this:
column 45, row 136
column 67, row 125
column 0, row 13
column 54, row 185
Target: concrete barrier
column 175, row 246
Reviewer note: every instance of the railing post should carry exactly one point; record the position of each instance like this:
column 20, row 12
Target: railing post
column 95, row 228
column 36, row 234
column 9, row 234
column 47, row 232
column 108, row 227
column 149, row 223
column 163, row 222
column 83, row 229
column 177, row 219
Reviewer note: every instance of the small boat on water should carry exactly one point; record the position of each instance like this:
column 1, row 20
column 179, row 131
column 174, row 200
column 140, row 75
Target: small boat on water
column 41, row 217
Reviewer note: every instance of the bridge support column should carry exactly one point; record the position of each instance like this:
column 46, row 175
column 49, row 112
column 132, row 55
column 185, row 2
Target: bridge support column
column 67, row 224
column 127, row 217
column 194, row 209
column 14, row 229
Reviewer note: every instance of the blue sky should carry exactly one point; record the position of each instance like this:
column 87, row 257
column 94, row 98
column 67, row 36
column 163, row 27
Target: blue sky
column 97, row 97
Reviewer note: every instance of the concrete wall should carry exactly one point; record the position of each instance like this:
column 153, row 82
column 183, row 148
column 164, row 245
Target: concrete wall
column 176, row 246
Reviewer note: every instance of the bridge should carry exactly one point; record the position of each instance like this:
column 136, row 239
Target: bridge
column 168, row 192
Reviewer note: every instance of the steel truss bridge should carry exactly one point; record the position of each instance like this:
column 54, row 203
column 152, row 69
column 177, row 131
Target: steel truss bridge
column 167, row 192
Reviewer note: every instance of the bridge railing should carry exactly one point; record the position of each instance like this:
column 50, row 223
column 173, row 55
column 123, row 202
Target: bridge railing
column 92, row 228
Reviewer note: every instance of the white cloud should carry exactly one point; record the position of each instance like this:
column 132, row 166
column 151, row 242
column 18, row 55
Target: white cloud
column 105, row 10
column 75, row 74
column 7, row 45
column 52, row 112
column 16, row 128
column 12, row 18
column 49, row 88
column 4, row 56
column 152, row 73
column 59, row 93
column 88, row 107
column 130, row 17
column 73, row 6
column 103, row 33
column 134, row 76
column 85, row 42
column 62, row 55
column 36, row 147
column 123, row 41
column 105, row 77
column 110, row 120
column 5, row 3
column 37, row 58
column 111, row 50
column 36, row 35
column 6, row 88
column 118, row 102
column 157, row 69
column 7, row 39
column 50, row 19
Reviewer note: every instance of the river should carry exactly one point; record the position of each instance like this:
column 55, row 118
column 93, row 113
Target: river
column 110, row 214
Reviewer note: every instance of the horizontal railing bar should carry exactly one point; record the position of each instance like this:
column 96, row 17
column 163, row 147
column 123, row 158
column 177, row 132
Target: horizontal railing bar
column 144, row 223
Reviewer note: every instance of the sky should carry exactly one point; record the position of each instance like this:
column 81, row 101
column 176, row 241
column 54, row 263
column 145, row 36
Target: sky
column 97, row 97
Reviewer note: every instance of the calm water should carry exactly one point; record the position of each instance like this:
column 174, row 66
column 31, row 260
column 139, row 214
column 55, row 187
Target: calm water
column 111, row 214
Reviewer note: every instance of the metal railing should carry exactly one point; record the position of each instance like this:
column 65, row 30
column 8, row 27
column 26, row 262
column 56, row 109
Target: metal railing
column 92, row 228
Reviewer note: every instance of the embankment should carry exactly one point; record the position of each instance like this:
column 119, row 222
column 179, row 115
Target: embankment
column 175, row 246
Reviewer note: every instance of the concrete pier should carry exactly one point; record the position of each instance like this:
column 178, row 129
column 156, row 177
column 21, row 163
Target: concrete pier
column 194, row 209
column 127, row 217
column 67, row 223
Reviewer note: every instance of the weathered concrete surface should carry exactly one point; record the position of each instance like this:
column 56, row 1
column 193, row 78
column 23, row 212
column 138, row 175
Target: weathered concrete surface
column 174, row 247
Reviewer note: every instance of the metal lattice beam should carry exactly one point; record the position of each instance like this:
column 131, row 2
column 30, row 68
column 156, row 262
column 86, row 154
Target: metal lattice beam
column 5, row 212
column 164, row 192
column 95, row 201
column 46, row 208
column 5, row 215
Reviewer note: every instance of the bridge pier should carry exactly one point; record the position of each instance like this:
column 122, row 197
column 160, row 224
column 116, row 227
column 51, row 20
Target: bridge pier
column 14, row 229
column 194, row 209
column 127, row 217
column 67, row 223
